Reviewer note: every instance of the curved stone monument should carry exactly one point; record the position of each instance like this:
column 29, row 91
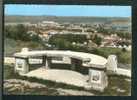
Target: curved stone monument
column 97, row 65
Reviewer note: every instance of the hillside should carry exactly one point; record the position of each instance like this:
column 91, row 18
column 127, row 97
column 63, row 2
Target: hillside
column 61, row 19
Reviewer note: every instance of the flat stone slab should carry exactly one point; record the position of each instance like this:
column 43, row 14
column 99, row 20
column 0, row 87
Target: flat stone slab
column 60, row 76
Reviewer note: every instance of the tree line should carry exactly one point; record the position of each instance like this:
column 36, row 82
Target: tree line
column 19, row 32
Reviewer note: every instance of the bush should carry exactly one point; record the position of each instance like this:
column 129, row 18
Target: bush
column 123, row 57
column 11, row 46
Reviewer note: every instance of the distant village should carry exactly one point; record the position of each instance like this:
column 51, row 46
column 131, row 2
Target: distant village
column 46, row 29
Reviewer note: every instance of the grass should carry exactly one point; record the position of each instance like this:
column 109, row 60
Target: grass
column 8, row 72
column 119, row 83
column 42, row 91
column 114, row 83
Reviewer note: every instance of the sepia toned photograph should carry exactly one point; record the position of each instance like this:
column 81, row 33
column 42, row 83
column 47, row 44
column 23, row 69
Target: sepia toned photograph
column 67, row 50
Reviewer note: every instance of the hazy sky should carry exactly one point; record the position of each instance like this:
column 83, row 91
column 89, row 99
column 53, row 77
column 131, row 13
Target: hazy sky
column 68, row 10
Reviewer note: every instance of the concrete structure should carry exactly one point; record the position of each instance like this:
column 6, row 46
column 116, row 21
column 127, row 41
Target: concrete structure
column 96, row 65
column 112, row 63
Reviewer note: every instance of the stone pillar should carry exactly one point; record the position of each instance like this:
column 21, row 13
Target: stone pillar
column 21, row 65
column 112, row 63
column 98, row 79
column 46, row 62
column 73, row 65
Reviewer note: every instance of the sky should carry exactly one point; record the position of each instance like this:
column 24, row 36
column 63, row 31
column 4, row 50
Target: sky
column 68, row 10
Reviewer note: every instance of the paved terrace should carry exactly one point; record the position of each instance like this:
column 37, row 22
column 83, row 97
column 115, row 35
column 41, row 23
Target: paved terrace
column 59, row 76
column 92, row 60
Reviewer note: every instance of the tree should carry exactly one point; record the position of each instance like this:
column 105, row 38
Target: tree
column 18, row 32
column 22, row 32
column 97, row 39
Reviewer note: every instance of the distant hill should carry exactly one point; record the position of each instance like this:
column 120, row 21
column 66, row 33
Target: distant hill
column 70, row 19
